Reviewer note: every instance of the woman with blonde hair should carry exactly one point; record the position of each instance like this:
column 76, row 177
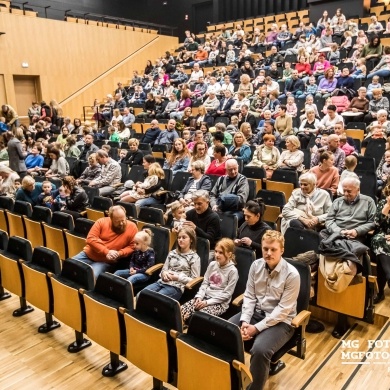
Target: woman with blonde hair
column 57, row 113
column 147, row 188
column 240, row 149
column 245, row 86
column 179, row 158
column 292, row 158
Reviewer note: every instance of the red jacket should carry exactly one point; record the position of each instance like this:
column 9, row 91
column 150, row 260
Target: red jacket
column 303, row 68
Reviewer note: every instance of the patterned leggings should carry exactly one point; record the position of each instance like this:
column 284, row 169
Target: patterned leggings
column 189, row 308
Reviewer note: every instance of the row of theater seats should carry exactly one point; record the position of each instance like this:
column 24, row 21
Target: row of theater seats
column 150, row 334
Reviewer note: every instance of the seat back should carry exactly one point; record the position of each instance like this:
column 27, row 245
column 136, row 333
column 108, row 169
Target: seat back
column 151, row 215
column 153, row 351
column 110, row 293
column 6, row 204
column 286, row 188
column 229, row 225
column 304, row 289
column 101, row 203
column 130, row 208
column 22, row 208
column 68, row 303
column 204, row 349
column 179, row 181
column 300, row 241
column 41, row 214
column 160, row 242
column 244, row 259
column 203, row 250
column 91, row 192
column 62, row 220
column 368, row 184
column 136, row 173
column 285, row 176
column 3, row 240
column 376, row 149
column 11, row 272
column 272, row 198
column 365, row 164
column 254, row 172
column 38, row 287
column 82, row 226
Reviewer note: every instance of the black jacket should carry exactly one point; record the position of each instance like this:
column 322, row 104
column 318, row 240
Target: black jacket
column 133, row 158
column 78, row 200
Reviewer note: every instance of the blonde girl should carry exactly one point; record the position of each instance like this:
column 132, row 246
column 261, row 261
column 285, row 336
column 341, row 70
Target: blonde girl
column 141, row 259
column 218, row 285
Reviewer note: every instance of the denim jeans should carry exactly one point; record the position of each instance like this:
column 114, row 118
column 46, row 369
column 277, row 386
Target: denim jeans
column 136, row 278
column 147, row 202
column 165, row 289
column 380, row 73
column 98, row 267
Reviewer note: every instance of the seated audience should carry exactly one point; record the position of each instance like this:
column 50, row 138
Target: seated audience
column 292, row 158
column 252, row 230
column 327, row 174
column 110, row 175
column 272, row 284
column 307, row 207
column 109, row 241
column 145, row 189
column 140, row 260
column 218, row 284
column 181, row 266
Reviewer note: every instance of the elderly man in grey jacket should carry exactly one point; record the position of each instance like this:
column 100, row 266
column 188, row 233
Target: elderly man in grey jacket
column 110, row 175
column 231, row 191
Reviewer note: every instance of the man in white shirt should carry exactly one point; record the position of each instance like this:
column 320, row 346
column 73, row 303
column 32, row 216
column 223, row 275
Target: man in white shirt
column 269, row 305
column 195, row 74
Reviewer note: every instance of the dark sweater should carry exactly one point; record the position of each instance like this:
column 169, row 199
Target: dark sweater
column 133, row 158
column 255, row 233
column 208, row 225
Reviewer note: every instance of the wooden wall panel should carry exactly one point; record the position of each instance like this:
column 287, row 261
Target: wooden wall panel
column 67, row 56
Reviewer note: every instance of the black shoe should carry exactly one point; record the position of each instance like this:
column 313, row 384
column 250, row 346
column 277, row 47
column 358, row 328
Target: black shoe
column 379, row 298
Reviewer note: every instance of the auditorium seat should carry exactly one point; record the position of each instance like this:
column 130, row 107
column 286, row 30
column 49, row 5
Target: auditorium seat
column 68, row 301
column 203, row 349
column 16, row 218
column 110, row 293
column 33, row 225
column 55, row 232
column 39, row 290
column 152, row 349
column 3, row 246
column 75, row 239
column 11, row 271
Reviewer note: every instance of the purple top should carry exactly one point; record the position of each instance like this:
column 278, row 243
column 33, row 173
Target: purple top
column 184, row 103
column 328, row 85
column 271, row 37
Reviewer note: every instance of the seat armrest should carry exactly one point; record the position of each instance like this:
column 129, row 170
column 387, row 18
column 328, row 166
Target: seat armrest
column 150, row 271
column 174, row 333
column 83, row 213
column 301, row 319
column 238, row 300
column 194, row 282
column 372, row 280
column 117, row 185
column 245, row 375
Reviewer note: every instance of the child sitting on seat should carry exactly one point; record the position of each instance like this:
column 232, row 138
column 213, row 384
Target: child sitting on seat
column 46, row 197
column 141, row 259
column 218, row 285
column 176, row 209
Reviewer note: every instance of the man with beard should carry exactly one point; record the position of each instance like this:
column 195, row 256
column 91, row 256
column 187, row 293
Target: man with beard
column 109, row 242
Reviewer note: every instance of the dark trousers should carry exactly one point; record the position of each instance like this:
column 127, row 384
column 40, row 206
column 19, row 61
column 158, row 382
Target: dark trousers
column 262, row 347
column 383, row 262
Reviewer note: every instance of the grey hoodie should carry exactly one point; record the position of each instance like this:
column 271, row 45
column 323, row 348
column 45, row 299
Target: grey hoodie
column 185, row 265
column 218, row 284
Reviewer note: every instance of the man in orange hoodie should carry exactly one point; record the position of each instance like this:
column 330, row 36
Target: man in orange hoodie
column 109, row 240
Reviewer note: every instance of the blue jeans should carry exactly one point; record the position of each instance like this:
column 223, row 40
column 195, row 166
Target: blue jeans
column 97, row 266
column 165, row 289
column 380, row 73
column 133, row 279
column 147, row 202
